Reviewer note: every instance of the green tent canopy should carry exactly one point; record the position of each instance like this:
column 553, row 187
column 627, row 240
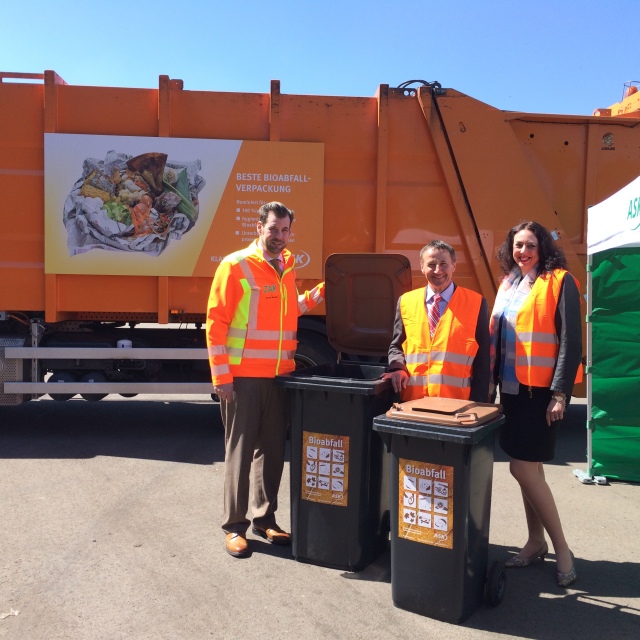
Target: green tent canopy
column 613, row 336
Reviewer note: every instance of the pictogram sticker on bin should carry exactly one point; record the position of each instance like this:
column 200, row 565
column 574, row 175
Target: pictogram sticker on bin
column 425, row 503
column 325, row 468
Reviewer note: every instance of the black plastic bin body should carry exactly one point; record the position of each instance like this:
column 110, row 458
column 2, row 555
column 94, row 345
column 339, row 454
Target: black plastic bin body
column 332, row 410
column 442, row 575
column 342, row 520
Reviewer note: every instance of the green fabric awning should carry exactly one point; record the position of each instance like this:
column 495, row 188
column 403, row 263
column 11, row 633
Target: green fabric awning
column 615, row 364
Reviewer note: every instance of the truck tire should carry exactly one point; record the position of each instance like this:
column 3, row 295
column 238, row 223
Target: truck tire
column 313, row 349
column 62, row 376
column 93, row 376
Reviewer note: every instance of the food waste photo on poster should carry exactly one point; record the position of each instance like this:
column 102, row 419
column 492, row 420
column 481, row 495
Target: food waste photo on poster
column 124, row 203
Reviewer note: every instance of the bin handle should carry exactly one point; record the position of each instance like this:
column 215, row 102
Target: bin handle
column 398, row 407
column 440, row 411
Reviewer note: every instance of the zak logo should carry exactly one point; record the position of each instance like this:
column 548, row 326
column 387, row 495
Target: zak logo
column 302, row 259
column 633, row 214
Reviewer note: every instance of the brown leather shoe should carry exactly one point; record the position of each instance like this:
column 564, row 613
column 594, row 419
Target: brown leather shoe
column 236, row 545
column 274, row 535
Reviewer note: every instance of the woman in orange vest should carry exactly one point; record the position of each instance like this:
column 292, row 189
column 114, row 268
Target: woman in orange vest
column 536, row 349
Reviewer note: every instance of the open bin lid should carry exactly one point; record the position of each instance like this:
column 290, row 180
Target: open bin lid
column 362, row 290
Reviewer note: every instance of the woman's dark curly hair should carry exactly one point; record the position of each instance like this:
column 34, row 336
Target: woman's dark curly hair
column 551, row 256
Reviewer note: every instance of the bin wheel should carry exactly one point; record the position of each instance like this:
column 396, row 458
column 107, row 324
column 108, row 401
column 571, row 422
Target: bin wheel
column 496, row 582
column 385, row 524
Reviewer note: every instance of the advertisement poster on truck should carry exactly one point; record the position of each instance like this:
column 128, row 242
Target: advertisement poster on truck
column 143, row 206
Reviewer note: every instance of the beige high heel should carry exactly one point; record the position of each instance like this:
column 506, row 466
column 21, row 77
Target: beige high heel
column 566, row 579
column 518, row 562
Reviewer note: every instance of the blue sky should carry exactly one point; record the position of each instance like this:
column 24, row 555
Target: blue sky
column 549, row 56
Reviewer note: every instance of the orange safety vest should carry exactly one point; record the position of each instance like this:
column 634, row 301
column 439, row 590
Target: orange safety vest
column 252, row 316
column 537, row 343
column 440, row 366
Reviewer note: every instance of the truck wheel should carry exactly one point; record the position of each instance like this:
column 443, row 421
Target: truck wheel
column 496, row 581
column 62, row 376
column 313, row 349
column 93, row 376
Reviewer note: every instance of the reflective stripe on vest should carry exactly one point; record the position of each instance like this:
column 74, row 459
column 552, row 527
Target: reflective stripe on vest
column 220, row 369
column 443, row 356
column 433, row 378
column 257, row 334
column 260, row 354
column 440, row 366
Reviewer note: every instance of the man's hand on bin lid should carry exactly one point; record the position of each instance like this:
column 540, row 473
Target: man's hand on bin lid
column 399, row 379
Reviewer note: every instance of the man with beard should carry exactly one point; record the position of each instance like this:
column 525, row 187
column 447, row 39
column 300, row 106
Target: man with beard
column 252, row 319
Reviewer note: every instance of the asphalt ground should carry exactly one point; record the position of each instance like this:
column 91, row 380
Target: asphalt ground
column 109, row 529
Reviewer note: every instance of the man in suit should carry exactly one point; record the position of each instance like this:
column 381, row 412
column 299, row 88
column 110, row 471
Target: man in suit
column 440, row 344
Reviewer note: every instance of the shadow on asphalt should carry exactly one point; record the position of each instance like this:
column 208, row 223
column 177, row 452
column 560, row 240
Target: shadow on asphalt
column 258, row 546
column 535, row 607
column 174, row 431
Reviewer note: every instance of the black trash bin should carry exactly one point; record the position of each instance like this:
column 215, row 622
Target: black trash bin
column 339, row 466
column 441, row 479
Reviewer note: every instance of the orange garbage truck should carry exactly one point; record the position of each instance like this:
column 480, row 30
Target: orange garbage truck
column 118, row 203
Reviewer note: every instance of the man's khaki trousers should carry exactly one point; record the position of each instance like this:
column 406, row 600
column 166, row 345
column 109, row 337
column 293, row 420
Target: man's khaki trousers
column 255, row 424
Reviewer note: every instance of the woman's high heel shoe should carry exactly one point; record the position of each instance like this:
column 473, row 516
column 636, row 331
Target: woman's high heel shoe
column 518, row 562
column 566, row 579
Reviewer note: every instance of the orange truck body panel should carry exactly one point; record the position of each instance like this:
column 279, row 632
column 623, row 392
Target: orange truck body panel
column 402, row 168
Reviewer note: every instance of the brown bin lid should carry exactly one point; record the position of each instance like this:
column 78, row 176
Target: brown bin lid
column 362, row 290
column 445, row 411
